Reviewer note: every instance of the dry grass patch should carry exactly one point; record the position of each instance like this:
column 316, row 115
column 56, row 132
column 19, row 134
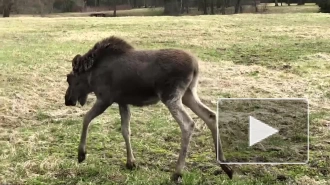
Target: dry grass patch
column 258, row 82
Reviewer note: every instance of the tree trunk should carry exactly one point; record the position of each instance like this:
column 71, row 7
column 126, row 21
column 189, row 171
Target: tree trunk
column 288, row 2
column 256, row 6
column 205, row 7
column 115, row 8
column 84, row 6
column 145, row 4
column 218, row 4
column 212, row 7
column 300, row 2
column 237, row 6
column 181, row 6
column 41, row 8
column 7, row 4
column 223, row 7
column 276, row 2
column 171, row 7
column 6, row 12
column 187, row 5
column 134, row 3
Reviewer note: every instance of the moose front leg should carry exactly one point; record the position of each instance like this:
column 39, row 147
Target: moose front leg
column 98, row 108
column 125, row 115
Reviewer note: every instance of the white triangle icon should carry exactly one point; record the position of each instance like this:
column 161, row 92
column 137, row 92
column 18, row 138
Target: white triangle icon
column 259, row 131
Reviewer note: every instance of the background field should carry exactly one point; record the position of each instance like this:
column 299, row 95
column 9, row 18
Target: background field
column 246, row 55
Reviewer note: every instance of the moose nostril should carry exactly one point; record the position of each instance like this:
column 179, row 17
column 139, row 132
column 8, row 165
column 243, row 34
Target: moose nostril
column 68, row 102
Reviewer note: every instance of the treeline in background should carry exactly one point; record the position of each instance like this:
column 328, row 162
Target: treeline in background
column 168, row 7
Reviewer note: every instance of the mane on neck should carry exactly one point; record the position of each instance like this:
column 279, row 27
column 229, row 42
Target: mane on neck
column 106, row 47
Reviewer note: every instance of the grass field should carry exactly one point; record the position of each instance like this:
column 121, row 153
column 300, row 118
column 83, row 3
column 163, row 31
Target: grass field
column 273, row 55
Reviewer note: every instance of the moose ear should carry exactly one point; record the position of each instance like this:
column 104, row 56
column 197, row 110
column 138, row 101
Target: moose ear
column 76, row 62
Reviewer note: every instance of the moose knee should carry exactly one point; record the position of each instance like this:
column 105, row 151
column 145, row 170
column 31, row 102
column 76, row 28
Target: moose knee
column 125, row 131
column 191, row 124
column 211, row 121
column 189, row 127
column 212, row 117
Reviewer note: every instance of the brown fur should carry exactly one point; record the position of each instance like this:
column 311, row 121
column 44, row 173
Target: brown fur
column 109, row 46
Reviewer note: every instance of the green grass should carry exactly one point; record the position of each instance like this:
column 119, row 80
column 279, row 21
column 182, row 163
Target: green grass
column 264, row 55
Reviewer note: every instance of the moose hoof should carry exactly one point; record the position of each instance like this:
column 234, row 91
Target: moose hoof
column 176, row 177
column 130, row 165
column 81, row 156
column 228, row 170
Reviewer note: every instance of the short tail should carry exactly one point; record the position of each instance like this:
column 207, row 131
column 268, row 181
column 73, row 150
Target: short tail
column 194, row 82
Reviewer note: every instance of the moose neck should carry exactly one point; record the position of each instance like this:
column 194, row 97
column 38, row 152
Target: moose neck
column 86, row 78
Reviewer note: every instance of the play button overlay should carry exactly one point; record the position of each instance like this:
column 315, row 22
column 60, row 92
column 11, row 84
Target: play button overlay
column 259, row 131
column 263, row 130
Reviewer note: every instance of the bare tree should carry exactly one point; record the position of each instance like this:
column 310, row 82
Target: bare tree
column 238, row 6
column 114, row 8
column 181, row 6
column 223, row 7
column 97, row 2
column 7, row 5
column 301, row 2
column 171, row 7
column 84, row 5
column 276, row 2
column 212, row 6
column 187, row 5
column 184, row 6
column 41, row 7
column 256, row 6
column 205, row 7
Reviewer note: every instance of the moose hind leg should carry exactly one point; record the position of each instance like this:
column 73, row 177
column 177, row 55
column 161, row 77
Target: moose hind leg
column 125, row 115
column 187, row 126
column 191, row 100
